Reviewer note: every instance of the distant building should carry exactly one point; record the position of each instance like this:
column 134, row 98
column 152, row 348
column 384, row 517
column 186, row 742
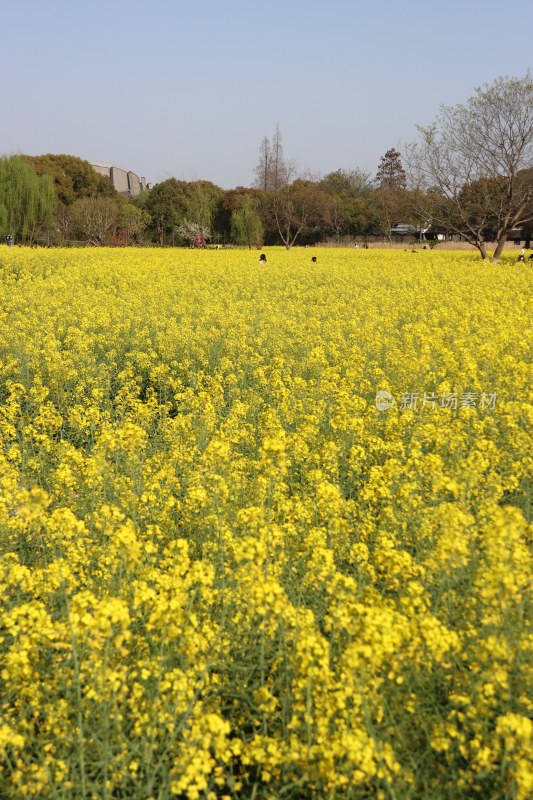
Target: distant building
column 404, row 229
column 125, row 182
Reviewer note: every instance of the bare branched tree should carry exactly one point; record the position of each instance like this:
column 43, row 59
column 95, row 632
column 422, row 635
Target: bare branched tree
column 95, row 218
column 297, row 207
column 292, row 202
column 262, row 170
column 473, row 163
column 272, row 171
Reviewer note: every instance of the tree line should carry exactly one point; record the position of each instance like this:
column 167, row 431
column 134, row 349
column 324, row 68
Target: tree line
column 58, row 199
column 470, row 173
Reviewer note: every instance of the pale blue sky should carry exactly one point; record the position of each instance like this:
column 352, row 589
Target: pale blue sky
column 189, row 89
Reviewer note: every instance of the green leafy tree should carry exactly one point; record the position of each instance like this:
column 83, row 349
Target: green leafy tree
column 131, row 222
column 166, row 203
column 246, row 226
column 347, row 207
column 179, row 210
column 27, row 200
column 201, row 205
column 231, row 200
column 73, row 177
column 354, row 182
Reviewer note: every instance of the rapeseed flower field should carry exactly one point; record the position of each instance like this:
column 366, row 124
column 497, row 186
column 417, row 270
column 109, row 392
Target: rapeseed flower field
column 229, row 567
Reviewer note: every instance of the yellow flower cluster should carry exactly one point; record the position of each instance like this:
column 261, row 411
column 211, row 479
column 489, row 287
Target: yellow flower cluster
column 226, row 571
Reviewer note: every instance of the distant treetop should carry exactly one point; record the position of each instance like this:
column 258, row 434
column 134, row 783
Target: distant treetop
column 73, row 177
column 391, row 174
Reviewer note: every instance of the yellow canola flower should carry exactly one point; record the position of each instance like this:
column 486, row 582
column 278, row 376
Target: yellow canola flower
column 225, row 569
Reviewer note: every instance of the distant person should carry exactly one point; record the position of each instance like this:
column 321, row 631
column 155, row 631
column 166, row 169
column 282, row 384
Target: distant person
column 262, row 259
column 530, row 257
column 314, row 259
column 521, row 257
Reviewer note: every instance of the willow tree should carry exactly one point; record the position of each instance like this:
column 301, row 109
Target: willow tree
column 27, row 200
column 246, row 225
